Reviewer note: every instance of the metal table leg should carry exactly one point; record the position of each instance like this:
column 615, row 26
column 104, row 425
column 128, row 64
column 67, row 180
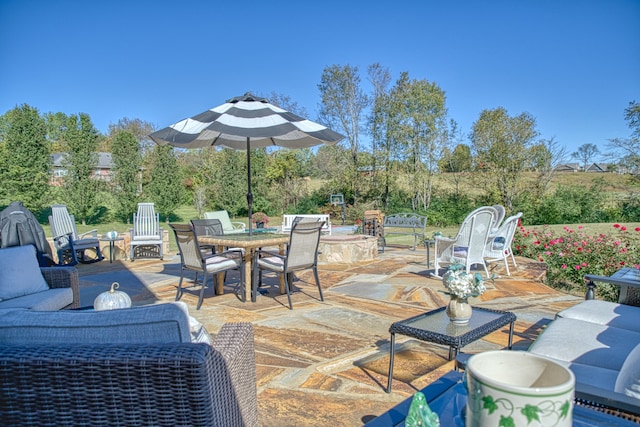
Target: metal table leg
column 391, row 355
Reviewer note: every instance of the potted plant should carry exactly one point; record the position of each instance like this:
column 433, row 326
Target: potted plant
column 260, row 219
column 460, row 287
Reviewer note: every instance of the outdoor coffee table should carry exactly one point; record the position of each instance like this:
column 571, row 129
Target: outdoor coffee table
column 434, row 326
column 447, row 396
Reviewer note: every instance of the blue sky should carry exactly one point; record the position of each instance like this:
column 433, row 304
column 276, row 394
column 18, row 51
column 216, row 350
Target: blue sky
column 573, row 65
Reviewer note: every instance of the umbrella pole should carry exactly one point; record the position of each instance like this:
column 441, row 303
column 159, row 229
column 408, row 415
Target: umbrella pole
column 249, row 194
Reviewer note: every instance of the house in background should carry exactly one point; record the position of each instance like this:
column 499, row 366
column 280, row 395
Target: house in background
column 102, row 172
column 597, row 167
column 568, row 167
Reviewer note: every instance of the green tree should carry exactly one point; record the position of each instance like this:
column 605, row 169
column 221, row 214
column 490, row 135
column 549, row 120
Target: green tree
column 627, row 150
column 342, row 108
column 382, row 144
column 502, row 146
column 127, row 163
column 585, row 154
column 164, row 187
column 418, row 114
column 80, row 142
column 25, row 161
column 284, row 170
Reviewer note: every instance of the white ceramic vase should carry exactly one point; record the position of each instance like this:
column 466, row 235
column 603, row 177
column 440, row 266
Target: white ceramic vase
column 459, row 310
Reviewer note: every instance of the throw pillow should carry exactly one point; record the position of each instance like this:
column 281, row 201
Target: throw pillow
column 20, row 272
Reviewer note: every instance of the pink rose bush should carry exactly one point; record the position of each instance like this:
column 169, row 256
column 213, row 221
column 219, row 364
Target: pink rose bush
column 572, row 254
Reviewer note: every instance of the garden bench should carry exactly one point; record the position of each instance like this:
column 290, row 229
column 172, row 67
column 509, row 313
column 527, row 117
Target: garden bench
column 287, row 221
column 408, row 224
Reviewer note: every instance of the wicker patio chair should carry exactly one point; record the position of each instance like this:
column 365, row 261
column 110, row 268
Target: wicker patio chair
column 467, row 248
column 498, row 246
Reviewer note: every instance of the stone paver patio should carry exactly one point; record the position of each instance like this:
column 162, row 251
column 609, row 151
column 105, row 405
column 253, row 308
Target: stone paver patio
column 325, row 364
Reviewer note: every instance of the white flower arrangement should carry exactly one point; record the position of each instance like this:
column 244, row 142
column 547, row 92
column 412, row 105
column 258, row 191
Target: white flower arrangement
column 463, row 285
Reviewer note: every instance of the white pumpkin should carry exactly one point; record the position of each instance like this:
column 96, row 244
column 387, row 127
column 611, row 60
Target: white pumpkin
column 112, row 299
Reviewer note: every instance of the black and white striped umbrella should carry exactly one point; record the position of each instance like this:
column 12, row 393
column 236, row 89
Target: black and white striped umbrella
column 246, row 122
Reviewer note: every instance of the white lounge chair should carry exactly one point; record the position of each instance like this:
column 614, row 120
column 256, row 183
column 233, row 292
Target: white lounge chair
column 68, row 242
column 229, row 227
column 146, row 232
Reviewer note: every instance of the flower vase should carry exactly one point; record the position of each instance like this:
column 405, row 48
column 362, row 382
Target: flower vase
column 459, row 310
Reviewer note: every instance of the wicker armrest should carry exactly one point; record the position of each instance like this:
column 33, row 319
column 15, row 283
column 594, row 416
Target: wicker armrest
column 602, row 400
column 63, row 277
column 125, row 385
column 235, row 344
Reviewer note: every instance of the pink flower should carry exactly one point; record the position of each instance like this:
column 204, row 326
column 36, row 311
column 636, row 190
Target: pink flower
column 623, row 228
column 616, row 225
column 637, row 228
column 584, row 264
column 564, row 266
column 577, row 267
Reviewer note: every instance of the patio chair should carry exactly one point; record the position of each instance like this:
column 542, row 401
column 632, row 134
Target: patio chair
column 207, row 227
column 70, row 245
column 146, row 235
column 302, row 254
column 498, row 246
column 501, row 213
column 229, row 227
column 467, row 248
column 192, row 258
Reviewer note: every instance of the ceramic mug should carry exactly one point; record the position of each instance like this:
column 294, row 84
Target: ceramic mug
column 518, row 388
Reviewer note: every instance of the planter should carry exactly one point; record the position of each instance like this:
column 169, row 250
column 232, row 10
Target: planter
column 259, row 224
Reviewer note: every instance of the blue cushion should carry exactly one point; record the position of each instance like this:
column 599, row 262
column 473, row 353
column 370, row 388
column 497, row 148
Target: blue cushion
column 151, row 324
column 20, row 273
column 49, row 300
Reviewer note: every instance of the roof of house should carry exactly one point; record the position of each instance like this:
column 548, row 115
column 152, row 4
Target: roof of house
column 104, row 160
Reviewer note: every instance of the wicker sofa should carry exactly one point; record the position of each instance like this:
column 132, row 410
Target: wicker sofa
column 600, row 342
column 126, row 367
column 22, row 284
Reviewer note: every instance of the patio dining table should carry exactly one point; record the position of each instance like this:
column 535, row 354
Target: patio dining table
column 248, row 242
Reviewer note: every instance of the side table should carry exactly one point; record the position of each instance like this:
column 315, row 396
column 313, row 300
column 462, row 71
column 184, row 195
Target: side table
column 434, row 326
column 112, row 246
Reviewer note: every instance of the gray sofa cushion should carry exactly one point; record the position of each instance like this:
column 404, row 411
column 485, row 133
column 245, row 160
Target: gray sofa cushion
column 152, row 324
column 49, row 300
column 19, row 272
column 605, row 313
column 586, row 343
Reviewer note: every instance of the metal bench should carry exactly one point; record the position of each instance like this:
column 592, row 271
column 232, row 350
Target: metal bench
column 408, row 224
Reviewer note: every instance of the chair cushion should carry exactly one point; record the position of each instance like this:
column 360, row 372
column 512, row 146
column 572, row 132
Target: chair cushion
column 219, row 263
column 460, row 251
column 273, row 263
column 20, row 273
column 151, row 324
column 605, row 313
column 586, row 343
column 628, row 381
column 49, row 300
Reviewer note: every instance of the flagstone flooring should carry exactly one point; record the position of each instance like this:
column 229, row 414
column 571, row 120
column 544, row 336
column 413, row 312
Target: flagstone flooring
column 326, row 363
